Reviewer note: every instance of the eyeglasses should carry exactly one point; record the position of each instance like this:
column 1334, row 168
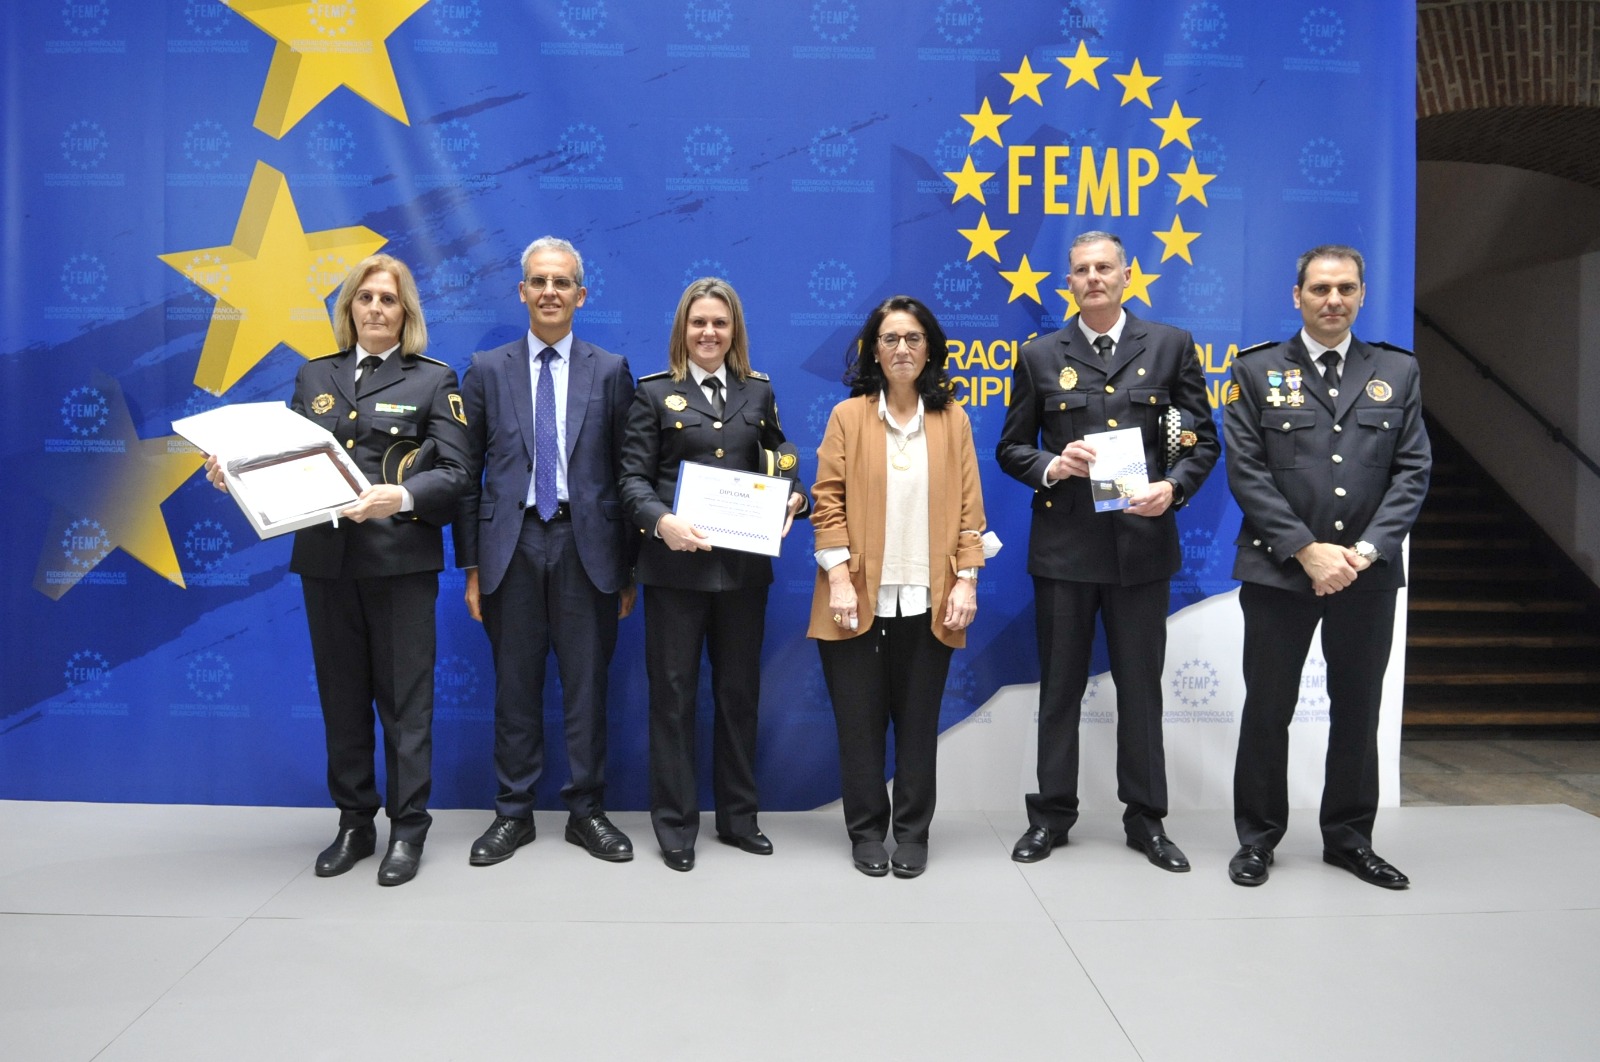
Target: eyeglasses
column 559, row 283
column 892, row 340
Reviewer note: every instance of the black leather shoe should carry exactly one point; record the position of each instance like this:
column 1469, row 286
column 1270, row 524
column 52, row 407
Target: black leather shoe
column 910, row 859
column 871, row 858
column 601, row 839
column 679, row 859
column 755, row 843
column 351, row 846
column 1367, row 865
column 1161, row 852
column 1037, row 843
column 399, row 863
column 501, row 840
column 1249, row 865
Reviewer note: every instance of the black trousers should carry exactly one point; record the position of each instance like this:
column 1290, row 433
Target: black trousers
column 729, row 625
column 1357, row 633
column 545, row 602
column 894, row 673
column 373, row 643
column 1135, row 620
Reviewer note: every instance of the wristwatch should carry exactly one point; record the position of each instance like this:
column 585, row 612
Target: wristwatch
column 1367, row 552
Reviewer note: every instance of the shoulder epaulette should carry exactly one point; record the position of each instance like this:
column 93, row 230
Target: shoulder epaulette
column 325, row 357
column 754, row 375
column 436, row 361
column 1256, row 347
column 656, row 375
column 1397, row 350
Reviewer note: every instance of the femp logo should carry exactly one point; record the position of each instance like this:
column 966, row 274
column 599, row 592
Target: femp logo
column 704, row 267
column 331, row 145
column 1202, row 291
column 327, row 271
column 957, row 286
column 1195, row 684
column 207, row 546
column 455, row 689
column 1084, row 19
column 835, row 21
column 1322, row 31
column 832, row 284
column 85, row 544
column 834, row 151
column 457, row 18
column 85, row 18
column 1313, row 704
column 1204, row 27
column 1200, row 552
column 206, row 18
column 210, row 677
column 959, row 21
column 582, row 148
column 582, row 19
column 1321, row 162
column 454, row 285
column 87, row 674
column 84, row 145
column 455, row 145
column 84, row 411
column 708, row 20
column 84, row 278
column 706, row 150
column 207, row 145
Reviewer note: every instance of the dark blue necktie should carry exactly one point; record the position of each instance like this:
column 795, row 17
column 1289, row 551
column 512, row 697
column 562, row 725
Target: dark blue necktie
column 544, row 439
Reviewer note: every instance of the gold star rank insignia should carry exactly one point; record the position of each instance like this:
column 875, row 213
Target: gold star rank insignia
column 321, row 47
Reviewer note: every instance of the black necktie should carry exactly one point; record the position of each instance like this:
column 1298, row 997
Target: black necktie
column 714, row 385
column 1103, row 344
column 1330, row 368
column 369, row 366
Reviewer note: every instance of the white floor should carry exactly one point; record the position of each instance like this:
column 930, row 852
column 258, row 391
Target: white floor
column 168, row 933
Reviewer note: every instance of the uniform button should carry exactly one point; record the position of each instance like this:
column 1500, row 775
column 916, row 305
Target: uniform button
column 1338, row 525
column 1286, row 426
column 1338, row 460
column 719, row 451
column 530, row 466
column 394, row 431
column 1386, row 424
column 1333, row 392
column 1141, row 373
column 677, row 424
column 1063, row 406
column 522, row 505
column 352, row 414
column 1048, row 505
column 1339, row 491
column 1152, row 400
column 1338, row 427
column 349, row 444
column 716, row 424
column 1269, row 549
column 1255, row 542
column 1112, row 422
column 1110, row 390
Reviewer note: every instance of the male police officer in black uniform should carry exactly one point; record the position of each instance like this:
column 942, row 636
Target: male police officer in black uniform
column 1329, row 460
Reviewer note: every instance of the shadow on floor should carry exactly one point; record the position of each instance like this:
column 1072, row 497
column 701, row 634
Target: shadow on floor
column 1440, row 766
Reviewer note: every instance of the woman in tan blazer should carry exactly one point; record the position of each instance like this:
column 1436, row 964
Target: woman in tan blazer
column 898, row 516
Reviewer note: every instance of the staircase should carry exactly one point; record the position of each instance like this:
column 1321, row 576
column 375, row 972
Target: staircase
column 1502, row 629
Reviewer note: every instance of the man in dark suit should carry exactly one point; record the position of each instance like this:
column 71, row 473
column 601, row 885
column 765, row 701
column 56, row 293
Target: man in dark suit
column 541, row 535
column 1329, row 460
column 1105, row 370
column 371, row 581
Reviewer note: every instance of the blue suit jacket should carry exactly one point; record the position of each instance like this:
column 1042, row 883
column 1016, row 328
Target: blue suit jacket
column 498, row 393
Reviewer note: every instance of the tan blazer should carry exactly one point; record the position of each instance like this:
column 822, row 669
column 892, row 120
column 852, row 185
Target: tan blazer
column 850, row 497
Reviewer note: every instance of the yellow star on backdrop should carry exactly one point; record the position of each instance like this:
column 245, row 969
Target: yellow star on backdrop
column 1175, row 127
column 983, row 239
column 122, row 492
column 321, row 47
column 1024, row 280
column 1081, row 67
column 1136, row 85
column 1072, row 302
column 1025, row 83
column 1175, row 241
column 1192, row 183
column 986, row 124
column 270, row 282
column 969, row 181
column 1139, row 284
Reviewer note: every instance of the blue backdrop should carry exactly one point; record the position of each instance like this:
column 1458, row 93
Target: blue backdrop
column 185, row 183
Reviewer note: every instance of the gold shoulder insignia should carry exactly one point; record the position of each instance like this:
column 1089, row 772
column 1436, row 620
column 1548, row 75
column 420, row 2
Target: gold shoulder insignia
column 1232, row 395
column 457, row 409
column 754, row 375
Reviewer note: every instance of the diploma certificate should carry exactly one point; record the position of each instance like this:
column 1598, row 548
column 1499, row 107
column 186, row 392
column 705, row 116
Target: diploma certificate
column 734, row 509
column 1118, row 471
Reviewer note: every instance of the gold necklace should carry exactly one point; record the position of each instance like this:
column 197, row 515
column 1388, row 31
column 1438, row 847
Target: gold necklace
column 900, row 461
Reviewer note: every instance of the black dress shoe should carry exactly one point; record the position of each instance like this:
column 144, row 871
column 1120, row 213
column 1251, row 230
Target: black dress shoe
column 1367, row 865
column 1249, row 865
column 755, row 843
column 1161, row 852
column 501, row 840
column 1037, row 843
column 399, row 863
column 601, row 839
column 910, row 859
column 679, row 859
column 351, row 846
column 871, row 858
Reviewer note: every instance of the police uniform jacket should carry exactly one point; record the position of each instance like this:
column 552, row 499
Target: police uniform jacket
column 410, row 403
column 670, row 422
column 1343, row 470
column 1061, row 391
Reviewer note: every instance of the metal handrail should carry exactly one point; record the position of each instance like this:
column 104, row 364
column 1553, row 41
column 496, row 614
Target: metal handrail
column 1489, row 374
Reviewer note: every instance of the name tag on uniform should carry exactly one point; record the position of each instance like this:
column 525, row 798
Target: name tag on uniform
column 391, row 407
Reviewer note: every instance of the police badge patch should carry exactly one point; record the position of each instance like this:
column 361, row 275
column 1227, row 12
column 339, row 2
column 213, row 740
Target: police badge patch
column 1069, row 378
column 1379, row 391
column 676, row 403
column 321, row 404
